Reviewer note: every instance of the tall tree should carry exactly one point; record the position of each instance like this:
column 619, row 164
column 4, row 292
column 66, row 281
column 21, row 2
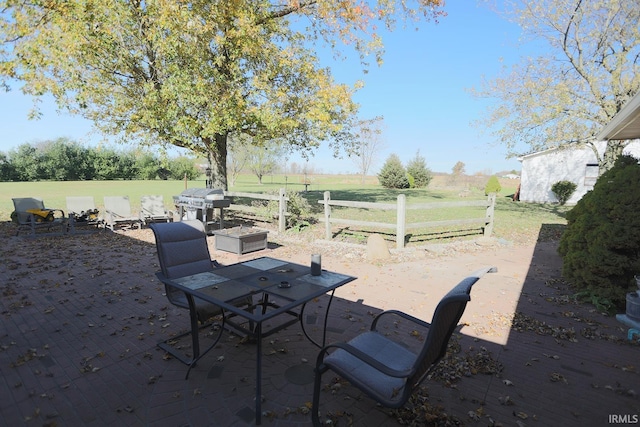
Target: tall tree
column 588, row 70
column 263, row 159
column 7, row 171
column 188, row 73
column 458, row 169
column 368, row 145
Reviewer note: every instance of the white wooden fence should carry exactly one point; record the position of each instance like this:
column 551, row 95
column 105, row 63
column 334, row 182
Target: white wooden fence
column 280, row 197
column 401, row 208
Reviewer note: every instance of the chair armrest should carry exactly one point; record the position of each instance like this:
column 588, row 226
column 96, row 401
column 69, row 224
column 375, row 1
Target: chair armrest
column 374, row 363
column 112, row 214
column 406, row 316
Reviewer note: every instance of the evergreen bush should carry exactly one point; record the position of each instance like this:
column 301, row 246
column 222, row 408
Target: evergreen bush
column 563, row 190
column 601, row 245
column 393, row 174
column 493, row 186
column 418, row 174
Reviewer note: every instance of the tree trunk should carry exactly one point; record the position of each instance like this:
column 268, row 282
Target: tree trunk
column 612, row 151
column 218, row 159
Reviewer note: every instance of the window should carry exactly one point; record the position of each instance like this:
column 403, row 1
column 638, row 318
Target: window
column 591, row 174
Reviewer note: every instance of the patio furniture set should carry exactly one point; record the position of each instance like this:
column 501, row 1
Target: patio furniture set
column 259, row 297
column 33, row 217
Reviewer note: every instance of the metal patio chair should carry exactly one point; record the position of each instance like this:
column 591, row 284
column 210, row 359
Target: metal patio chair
column 183, row 251
column 118, row 213
column 152, row 210
column 385, row 369
column 31, row 215
column 83, row 214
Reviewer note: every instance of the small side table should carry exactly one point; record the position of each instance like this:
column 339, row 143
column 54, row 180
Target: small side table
column 240, row 240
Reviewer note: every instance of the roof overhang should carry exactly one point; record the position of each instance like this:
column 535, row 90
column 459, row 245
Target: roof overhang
column 625, row 124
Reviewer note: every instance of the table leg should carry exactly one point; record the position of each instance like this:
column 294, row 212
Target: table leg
column 259, row 373
column 324, row 329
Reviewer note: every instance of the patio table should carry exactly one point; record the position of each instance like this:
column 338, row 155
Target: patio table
column 283, row 288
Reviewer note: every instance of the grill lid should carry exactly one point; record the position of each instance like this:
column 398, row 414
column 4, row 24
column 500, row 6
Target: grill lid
column 202, row 193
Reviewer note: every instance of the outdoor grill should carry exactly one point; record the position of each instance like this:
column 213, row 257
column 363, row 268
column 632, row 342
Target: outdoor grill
column 199, row 203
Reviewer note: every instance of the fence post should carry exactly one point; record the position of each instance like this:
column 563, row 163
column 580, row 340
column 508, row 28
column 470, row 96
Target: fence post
column 401, row 217
column 327, row 215
column 282, row 210
column 488, row 228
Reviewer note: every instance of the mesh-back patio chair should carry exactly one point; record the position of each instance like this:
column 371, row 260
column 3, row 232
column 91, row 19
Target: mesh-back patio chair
column 385, row 369
column 31, row 216
column 118, row 213
column 152, row 210
column 183, row 251
column 83, row 214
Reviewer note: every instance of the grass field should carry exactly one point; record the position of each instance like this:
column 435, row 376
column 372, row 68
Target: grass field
column 514, row 221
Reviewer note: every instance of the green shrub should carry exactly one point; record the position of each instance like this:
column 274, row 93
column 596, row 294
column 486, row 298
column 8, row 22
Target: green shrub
column 412, row 180
column 417, row 172
column 493, row 186
column 600, row 248
column 298, row 208
column 393, row 174
column 563, row 190
column 181, row 166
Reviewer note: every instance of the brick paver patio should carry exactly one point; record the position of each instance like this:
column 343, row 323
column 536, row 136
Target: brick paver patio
column 81, row 316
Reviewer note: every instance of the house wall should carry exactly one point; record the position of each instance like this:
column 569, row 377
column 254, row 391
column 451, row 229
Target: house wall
column 543, row 169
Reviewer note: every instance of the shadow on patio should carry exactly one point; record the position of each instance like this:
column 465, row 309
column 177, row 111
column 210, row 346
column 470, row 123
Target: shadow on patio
column 81, row 316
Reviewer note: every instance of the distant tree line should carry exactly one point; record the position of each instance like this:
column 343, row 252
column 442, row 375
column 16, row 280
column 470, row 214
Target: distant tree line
column 66, row 160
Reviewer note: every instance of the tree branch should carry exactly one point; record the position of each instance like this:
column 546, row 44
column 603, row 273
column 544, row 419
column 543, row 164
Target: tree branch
column 287, row 11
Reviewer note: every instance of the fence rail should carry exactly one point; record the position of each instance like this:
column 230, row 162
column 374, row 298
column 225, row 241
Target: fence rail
column 281, row 198
column 401, row 207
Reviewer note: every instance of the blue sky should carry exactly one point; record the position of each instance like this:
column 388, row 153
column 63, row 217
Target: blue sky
column 420, row 90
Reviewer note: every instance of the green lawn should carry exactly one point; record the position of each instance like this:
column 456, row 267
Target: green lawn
column 514, row 221
column 54, row 193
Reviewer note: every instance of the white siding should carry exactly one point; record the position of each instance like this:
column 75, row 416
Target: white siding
column 541, row 170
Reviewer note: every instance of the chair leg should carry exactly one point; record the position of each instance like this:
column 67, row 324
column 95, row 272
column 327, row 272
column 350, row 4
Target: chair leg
column 315, row 406
column 195, row 340
column 166, row 346
column 195, row 345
